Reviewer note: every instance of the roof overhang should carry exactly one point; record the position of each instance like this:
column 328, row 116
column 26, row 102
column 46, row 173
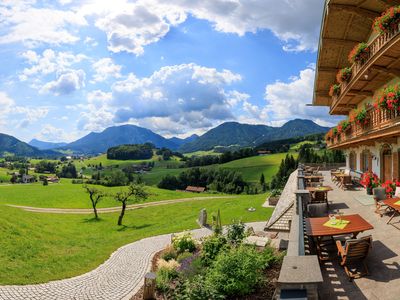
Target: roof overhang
column 345, row 23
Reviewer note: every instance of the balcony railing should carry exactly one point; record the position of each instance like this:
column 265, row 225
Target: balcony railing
column 377, row 120
column 375, row 46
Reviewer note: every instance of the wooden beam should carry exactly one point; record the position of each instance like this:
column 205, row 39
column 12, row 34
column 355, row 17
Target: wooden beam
column 328, row 70
column 389, row 3
column 340, row 42
column 388, row 140
column 360, row 93
column 347, row 106
column 392, row 71
column 362, row 12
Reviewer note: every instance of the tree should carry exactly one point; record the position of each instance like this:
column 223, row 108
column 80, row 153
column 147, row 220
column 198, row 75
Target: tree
column 134, row 194
column 262, row 182
column 95, row 196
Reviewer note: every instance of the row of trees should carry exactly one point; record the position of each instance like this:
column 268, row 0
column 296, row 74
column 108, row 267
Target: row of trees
column 221, row 180
column 134, row 194
column 196, row 161
column 287, row 166
column 307, row 154
column 134, row 151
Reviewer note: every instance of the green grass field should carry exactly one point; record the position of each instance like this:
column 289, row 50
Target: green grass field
column 68, row 195
column 252, row 167
column 41, row 247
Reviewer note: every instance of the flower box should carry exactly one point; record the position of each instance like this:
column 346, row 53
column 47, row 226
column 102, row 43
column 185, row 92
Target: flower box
column 359, row 54
column 388, row 21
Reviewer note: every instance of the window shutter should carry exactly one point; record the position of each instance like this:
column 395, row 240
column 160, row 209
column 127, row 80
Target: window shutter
column 395, row 165
column 369, row 161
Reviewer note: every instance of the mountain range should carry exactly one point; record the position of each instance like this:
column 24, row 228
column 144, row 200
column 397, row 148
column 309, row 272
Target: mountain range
column 226, row 134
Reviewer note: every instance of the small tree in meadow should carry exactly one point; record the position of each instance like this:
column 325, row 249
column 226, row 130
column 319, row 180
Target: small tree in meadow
column 262, row 182
column 95, row 196
column 135, row 193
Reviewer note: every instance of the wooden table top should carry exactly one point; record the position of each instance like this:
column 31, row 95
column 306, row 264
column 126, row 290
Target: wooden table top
column 325, row 188
column 315, row 227
column 391, row 202
column 313, row 176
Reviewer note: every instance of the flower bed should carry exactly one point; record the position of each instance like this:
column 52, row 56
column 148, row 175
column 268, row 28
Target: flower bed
column 359, row 54
column 344, row 75
column 220, row 267
column 389, row 20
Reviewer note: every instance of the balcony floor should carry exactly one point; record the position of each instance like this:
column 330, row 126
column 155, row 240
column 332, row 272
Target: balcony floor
column 383, row 261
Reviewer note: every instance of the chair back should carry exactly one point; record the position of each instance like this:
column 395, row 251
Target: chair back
column 379, row 193
column 357, row 249
column 314, row 184
column 347, row 179
column 316, row 210
column 397, row 192
column 347, row 172
column 319, row 196
column 314, row 179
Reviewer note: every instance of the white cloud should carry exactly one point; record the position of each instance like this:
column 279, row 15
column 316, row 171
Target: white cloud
column 54, row 134
column 6, row 103
column 21, row 22
column 31, row 114
column 131, row 26
column 48, row 62
column 105, row 68
column 172, row 99
column 66, row 83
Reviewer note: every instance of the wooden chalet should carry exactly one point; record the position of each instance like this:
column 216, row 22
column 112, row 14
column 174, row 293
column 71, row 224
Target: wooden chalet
column 195, row 189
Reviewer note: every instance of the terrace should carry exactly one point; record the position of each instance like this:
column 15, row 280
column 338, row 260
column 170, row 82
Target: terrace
column 328, row 280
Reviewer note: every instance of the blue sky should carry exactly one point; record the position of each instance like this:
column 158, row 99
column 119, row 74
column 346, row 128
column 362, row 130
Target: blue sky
column 176, row 67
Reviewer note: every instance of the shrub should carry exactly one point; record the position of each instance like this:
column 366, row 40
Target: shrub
column 344, row 75
column 211, row 247
column 334, row 90
column 236, row 232
column 237, row 272
column 270, row 257
column 169, row 253
column 196, row 289
column 184, row 256
column 184, row 242
column 166, row 273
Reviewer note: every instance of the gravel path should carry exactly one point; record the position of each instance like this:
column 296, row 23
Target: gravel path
column 110, row 209
column 120, row 277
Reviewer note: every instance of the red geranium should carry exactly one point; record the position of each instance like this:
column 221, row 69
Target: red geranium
column 369, row 180
column 390, row 188
column 389, row 20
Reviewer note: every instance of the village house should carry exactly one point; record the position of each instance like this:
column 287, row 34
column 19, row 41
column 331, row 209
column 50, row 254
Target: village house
column 195, row 189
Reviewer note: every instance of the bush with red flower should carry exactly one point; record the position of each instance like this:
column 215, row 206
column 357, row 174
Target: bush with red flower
column 329, row 135
column 369, row 180
column 359, row 54
column 390, row 188
column 389, row 98
column 344, row 75
column 389, row 20
column 361, row 117
column 334, row 90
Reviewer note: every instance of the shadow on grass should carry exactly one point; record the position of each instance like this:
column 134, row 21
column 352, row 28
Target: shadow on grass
column 127, row 227
column 92, row 220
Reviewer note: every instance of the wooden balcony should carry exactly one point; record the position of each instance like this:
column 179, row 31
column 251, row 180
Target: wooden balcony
column 383, row 126
column 382, row 65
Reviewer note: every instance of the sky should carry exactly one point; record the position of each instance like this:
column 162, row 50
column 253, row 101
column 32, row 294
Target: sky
column 177, row 67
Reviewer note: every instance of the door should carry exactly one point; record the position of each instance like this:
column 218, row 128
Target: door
column 387, row 167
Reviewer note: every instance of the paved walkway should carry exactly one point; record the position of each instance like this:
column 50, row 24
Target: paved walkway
column 111, row 209
column 120, row 277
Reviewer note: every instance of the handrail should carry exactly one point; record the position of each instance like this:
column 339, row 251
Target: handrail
column 374, row 46
column 378, row 120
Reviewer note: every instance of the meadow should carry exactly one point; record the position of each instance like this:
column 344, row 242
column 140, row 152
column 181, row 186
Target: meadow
column 38, row 247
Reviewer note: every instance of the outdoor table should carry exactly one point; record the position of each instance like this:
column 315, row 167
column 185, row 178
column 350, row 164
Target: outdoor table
column 324, row 188
column 316, row 229
column 394, row 204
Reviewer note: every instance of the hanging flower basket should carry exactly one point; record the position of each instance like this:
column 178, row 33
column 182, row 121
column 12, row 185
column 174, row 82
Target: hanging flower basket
column 361, row 117
column 389, row 98
column 344, row 75
column 334, row 90
column 359, row 54
column 389, row 20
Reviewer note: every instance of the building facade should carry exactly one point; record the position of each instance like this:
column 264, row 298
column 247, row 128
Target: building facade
column 358, row 77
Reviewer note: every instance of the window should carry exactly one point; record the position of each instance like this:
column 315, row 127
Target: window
column 366, row 161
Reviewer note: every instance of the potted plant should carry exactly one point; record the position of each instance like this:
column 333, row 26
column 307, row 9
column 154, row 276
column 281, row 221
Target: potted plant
column 344, row 75
column 361, row 117
column 389, row 20
column 389, row 98
column 359, row 54
column 334, row 90
column 329, row 135
column 370, row 181
column 390, row 188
